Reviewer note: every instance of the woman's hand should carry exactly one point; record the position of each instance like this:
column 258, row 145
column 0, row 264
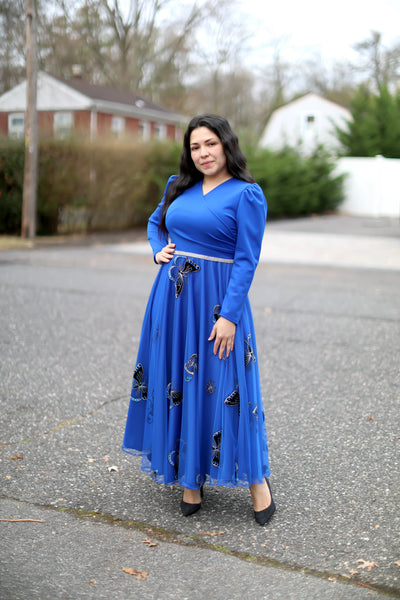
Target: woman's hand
column 165, row 255
column 224, row 334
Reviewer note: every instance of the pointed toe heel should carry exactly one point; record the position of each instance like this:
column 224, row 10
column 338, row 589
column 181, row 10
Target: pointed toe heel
column 263, row 516
column 189, row 509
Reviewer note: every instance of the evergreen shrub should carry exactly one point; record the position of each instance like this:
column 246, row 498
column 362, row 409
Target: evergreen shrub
column 294, row 184
column 116, row 184
column 12, row 159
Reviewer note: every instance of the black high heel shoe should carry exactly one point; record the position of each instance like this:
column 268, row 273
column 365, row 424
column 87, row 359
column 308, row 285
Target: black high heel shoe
column 188, row 509
column 263, row 516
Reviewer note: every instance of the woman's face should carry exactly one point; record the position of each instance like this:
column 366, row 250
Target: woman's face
column 207, row 153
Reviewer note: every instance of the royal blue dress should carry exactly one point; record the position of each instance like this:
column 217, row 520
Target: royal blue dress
column 192, row 416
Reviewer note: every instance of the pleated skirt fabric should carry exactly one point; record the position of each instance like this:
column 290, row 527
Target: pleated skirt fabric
column 193, row 417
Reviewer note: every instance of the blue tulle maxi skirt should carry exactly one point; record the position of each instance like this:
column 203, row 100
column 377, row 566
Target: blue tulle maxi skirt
column 193, row 417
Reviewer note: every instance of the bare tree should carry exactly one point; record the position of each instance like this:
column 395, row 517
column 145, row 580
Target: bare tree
column 12, row 47
column 336, row 82
column 141, row 45
column 219, row 55
column 276, row 83
column 380, row 64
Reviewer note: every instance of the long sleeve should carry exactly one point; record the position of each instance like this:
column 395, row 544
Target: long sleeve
column 250, row 218
column 157, row 238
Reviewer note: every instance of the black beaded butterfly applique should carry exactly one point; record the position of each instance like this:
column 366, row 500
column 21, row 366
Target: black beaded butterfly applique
column 249, row 355
column 216, row 448
column 216, row 311
column 190, row 367
column 174, row 396
column 173, row 458
column 233, row 399
column 139, row 389
column 181, row 268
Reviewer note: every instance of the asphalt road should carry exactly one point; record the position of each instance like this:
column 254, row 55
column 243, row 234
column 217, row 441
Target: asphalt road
column 328, row 344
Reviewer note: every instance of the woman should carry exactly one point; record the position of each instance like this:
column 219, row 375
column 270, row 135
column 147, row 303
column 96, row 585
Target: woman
column 196, row 410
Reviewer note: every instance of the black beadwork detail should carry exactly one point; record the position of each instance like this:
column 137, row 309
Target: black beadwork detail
column 174, row 396
column 180, row 269
column 190, row 367
column 139, row 389
column 216, row 311
column 210, row 387
column 173, row 459
column 233, row 399
column 253, row 409
column 216, row 448
column 249, row 355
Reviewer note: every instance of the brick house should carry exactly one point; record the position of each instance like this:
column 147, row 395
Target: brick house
column 75, row 106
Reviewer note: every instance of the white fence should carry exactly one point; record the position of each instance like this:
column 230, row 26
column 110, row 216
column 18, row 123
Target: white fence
column 371, row 186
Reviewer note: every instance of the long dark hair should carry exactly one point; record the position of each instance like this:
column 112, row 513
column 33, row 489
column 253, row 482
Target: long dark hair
column 189, row 175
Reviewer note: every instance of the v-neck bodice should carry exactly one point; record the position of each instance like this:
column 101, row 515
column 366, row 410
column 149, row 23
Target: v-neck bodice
column 208, row 224
column 214, row 188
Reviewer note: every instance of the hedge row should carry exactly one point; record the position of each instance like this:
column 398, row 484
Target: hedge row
column 114, row 186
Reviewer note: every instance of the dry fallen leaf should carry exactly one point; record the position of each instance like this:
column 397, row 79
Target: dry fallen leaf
column 17, row 457
column 149, row 542
column 353, row 572
column 113, row 468
column 366, row 564
column 397, row 563
column 141, row 575
column 93, row 582
column 91, row 459
column 212, row 533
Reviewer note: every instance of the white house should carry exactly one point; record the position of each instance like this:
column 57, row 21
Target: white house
column 74, row 105
column 305, row 123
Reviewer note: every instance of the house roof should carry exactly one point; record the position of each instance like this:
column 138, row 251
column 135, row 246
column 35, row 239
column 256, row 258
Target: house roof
column 55, row 93
column 109, row 94
column 312, row 96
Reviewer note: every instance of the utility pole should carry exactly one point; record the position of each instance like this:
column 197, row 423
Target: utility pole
column 28, row 229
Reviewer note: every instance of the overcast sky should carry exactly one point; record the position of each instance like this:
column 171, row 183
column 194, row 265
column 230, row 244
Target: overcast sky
column 322, row 27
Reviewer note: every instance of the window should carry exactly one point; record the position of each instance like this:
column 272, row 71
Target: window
column 160, row 131
column 309, row 125
column 16, row 125
column 63, row 124
column 117, row 126
column 144, row 130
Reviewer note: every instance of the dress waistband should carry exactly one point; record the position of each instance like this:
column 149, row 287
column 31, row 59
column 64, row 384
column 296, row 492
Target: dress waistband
column 213, row 258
